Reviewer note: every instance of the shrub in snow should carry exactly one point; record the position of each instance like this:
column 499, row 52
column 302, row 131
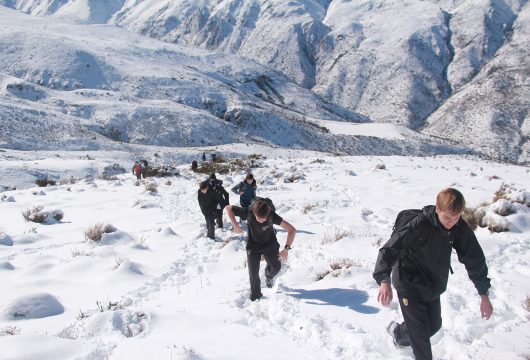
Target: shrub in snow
column 380, row 167
column 495, row 222
column 37, row 215
column 44, row 182
column 526, row 304
column 151, row 187
column 35, row 306
column 95, row 232
column 521, row 197
column 9, row 330
column 502, row 207
column 160, row 170
column 110, row 172
column 336, row 235
column 294, row 177
column 473, row 217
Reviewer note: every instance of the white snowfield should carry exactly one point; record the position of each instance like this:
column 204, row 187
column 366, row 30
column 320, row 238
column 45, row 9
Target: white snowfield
column 158, row 288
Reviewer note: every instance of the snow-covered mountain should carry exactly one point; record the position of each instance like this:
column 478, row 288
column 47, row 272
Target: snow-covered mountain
column 66, row 85
column 395, row 61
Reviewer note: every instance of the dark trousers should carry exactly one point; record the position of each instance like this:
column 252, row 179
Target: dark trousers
column 219, row 218
column 210, row 224
column 422, row 320
column 273, row 267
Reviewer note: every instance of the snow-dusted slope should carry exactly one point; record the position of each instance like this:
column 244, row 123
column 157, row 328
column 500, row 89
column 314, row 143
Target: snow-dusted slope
column 158, row 288
column 392, row 61
column 97, row 86
column 491, row 113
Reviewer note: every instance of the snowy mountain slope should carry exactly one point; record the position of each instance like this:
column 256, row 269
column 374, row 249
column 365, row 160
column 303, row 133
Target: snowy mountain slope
column 105, row 86
column 393, row 61
column 157, row 288
column 491, row 113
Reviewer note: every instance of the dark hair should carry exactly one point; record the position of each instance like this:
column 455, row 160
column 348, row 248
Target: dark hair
column 204, row 185
column 212, row 176
column 249, row 177
column 261, row 208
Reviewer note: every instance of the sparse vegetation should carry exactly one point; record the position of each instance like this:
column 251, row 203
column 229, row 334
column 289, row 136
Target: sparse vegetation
column 502, row 193
column 95, row 232
column 220, row 166
column 160, row 170
column 111, row 306
column 34, row 215
column 152, row 187
column 9, row 330
column 472, row 217
column 45, row 182
column 335, row 268
column 319, row 161
column 526, row 304
column 308, row 207
column 336, row 235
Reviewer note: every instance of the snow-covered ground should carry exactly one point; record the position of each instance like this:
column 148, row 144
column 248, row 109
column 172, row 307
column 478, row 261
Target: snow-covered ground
column 158, row 288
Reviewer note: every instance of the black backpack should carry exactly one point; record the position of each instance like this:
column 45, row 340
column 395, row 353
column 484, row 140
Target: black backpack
column 403, row 220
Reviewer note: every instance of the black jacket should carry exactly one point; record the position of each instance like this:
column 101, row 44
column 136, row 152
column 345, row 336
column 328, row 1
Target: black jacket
column 419, row 257
column 217, row 186
column 208, row 202
column 261, row 236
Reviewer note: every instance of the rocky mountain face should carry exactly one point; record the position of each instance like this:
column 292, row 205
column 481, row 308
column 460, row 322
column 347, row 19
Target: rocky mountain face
column 454, row 68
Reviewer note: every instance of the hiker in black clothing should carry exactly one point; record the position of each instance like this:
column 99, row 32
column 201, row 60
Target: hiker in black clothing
column 246, row 190
column 418, row 255
column 261, row 240
column 143, row 163
column 217, row 186
column 208, row 201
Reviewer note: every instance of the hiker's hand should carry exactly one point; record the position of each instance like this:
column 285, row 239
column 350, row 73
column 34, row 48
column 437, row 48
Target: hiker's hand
column 282, row 256
column 385, row 294
column 486, row 309
column 238, row 229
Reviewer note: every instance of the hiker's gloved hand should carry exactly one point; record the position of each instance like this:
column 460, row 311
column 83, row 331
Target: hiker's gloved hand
column 385, row 294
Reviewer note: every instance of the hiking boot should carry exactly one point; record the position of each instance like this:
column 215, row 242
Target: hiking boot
column 392, row 329
column 269, row 282
column 254, row 298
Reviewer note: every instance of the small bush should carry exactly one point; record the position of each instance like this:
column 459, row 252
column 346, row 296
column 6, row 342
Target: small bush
column 34, row 215
column 336, row 235
column 472, row 217
column 308, row 207
column 151, row 187
column 95, row 232
column 335, row 267
column 380, row 167
column 526, row 304
column 9, row 330
column 160, row 170
column 44, row 182
column 319, row 161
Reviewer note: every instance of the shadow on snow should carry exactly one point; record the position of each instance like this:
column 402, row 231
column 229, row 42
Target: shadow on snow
column 354, row 299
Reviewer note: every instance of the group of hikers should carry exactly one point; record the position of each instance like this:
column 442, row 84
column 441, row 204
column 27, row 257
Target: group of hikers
column 415, row 260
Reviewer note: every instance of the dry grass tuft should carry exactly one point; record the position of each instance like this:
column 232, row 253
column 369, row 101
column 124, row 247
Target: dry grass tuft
column 95, row 232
